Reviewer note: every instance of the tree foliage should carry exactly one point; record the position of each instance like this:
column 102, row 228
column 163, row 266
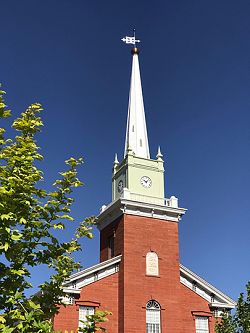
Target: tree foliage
column 240, row 321
column 226, row 325
column 93, row 322
column 29, row 216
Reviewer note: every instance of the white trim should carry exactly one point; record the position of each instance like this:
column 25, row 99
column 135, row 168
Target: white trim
column 96, row 267
column 132, row 207
column 104, row 269
column 72, row 291
column 90, row 275
column 205, row 289
column 219, row 305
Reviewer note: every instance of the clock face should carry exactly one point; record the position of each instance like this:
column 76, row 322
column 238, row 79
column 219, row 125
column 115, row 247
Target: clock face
column 120, row 186
column 146, row 181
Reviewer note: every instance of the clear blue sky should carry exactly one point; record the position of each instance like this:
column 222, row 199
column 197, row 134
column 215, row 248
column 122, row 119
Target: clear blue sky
column 194, row 62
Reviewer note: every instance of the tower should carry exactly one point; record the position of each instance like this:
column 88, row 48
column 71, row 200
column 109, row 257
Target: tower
column 139, row 277
column 137, row 173
column 141, row 225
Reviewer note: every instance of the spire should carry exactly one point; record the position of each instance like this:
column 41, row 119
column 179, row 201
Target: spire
column 136, row 133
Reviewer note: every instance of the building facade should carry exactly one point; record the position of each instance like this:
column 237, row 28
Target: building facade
column 139, row 277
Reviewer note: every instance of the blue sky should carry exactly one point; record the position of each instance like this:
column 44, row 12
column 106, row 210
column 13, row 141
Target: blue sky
column 194, row 63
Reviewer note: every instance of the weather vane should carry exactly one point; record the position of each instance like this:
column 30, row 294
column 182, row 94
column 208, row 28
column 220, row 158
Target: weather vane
column 130, row 40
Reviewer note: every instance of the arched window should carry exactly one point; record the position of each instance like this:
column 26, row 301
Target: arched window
column 153, row 317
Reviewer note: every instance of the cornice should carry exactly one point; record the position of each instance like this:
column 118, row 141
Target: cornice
column 102, row 265
column 217, row 298
column 138, row 208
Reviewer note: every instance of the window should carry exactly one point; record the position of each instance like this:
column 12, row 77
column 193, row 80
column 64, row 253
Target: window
column 111, row 251
column 153, row 317
column 201, row 325
column 83, row 312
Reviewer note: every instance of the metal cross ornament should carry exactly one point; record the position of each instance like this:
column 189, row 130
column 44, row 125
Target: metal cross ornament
column 130, row 40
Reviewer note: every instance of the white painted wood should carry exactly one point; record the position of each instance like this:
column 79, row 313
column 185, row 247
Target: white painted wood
column 136, row 133
column 201, row 325
column 85, row 311
column 215, row 297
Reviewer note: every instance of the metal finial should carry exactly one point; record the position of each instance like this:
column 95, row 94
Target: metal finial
column 130, row 40
column 134, row 36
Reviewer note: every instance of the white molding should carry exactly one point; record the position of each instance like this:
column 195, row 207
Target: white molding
column 219, row 305
column 104, row 269
column 72, row 291
column 138, row 208
column 90, row 275
column 205, row 289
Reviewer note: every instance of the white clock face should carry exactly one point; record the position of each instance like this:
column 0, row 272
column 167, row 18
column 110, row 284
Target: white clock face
column 146, row 181
column 120, row 186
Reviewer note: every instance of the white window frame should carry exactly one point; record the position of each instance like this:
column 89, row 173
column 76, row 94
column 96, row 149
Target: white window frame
column 83, row 312
column 153, row 317
column 201, row 324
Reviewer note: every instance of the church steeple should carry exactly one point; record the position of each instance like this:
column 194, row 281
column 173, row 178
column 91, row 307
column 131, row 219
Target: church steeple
column 136, row 133
column 137, row 176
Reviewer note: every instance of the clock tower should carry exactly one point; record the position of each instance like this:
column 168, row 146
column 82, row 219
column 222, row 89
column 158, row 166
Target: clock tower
column 137, row 174
column 140, row 226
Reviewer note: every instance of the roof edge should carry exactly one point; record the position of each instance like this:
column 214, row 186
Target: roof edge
column 94, row 268
column 206, row 285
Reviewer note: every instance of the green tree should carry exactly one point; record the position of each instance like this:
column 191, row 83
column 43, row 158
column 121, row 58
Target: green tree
column 29, row 216
column 242, row 315
column 240, row 321
column 93, row 322
column 226, row 324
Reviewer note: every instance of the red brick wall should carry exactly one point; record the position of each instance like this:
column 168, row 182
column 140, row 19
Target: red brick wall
column 116, row 229
column 190, row 302
column 126, row 293
column 142, row 235
column 134, row 237
column 67, row 319
column 105, row 292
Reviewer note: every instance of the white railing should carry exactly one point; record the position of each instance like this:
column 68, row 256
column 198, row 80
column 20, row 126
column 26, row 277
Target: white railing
column 172, row 202
column 148, row 199
column 126, row 194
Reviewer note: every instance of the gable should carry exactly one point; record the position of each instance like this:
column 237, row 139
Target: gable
column 87, row 276
column 217, row 300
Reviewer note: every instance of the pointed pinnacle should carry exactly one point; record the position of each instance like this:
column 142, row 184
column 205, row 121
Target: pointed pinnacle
column 116, row 160
column 159, row 154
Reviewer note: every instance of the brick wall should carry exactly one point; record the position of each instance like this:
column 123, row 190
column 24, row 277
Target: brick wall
column 142, row 235
column 104, row 292
column 127, row 292
column 190, row 303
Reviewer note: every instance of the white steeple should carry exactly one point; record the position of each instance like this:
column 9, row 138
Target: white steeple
column 136, row 133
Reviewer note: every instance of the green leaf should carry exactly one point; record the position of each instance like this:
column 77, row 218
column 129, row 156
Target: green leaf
column 59, row 226
column 16, row 236
column 22, row 219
